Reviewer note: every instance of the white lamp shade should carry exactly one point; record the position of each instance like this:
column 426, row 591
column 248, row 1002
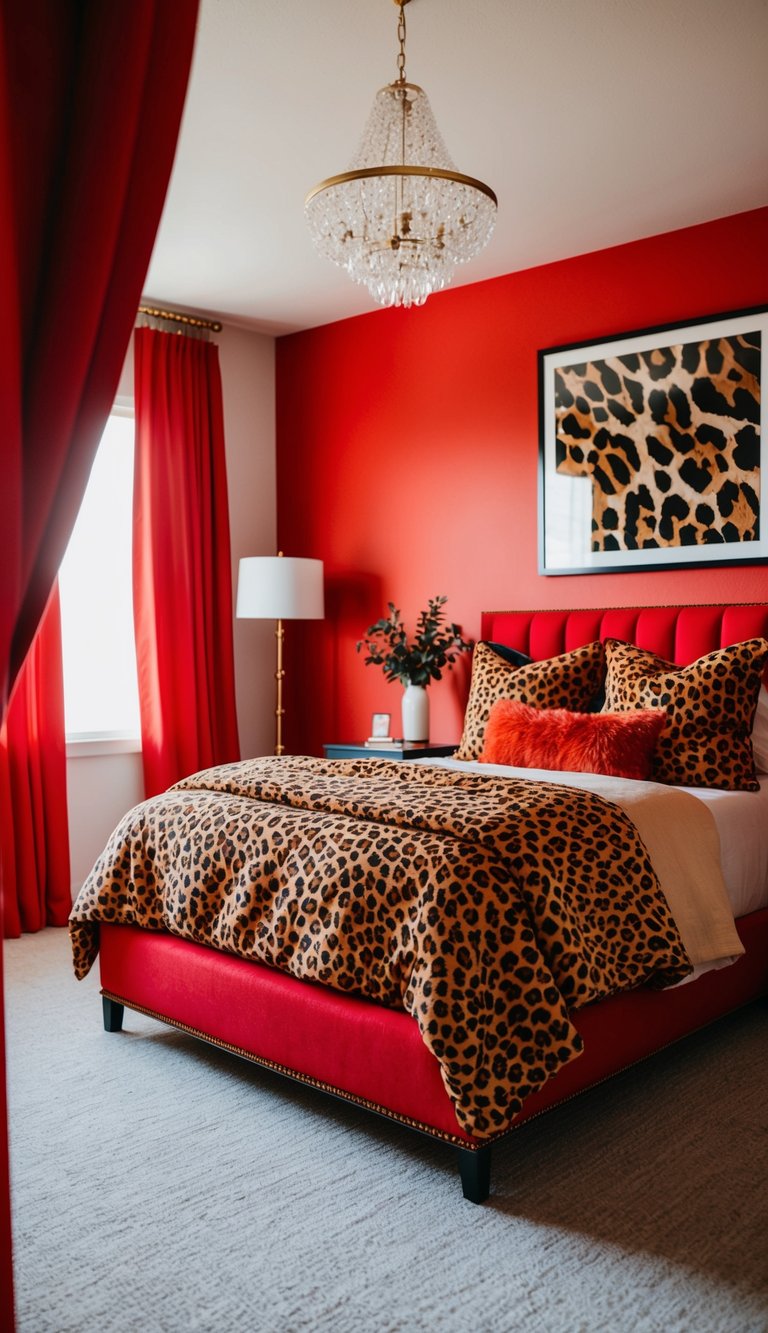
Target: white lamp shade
column 280, row 588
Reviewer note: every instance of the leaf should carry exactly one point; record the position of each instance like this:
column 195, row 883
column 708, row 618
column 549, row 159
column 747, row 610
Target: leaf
column 436, row 644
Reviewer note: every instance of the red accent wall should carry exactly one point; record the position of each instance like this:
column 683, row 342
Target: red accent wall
column 407, row 450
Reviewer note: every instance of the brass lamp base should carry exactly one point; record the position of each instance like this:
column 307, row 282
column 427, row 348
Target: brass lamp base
column 279, row 674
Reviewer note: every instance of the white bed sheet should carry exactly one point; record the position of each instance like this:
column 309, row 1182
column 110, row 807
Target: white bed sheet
column 741, row 818
column 742, row 822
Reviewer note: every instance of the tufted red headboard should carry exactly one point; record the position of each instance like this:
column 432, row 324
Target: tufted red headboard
column 678, row 633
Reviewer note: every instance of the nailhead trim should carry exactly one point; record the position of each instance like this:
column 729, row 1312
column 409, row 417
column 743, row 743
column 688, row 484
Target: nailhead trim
column 385, row 1111
column 307, row 1078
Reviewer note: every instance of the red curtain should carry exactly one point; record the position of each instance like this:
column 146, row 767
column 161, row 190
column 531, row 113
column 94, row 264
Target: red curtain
column 182, row 578
column 91, row 95
column 34, row 835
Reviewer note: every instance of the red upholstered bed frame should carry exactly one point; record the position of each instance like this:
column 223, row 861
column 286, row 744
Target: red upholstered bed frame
column 374, row 1056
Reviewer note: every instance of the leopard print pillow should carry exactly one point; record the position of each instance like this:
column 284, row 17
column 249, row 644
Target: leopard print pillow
column 710, row 707
column 569, row 681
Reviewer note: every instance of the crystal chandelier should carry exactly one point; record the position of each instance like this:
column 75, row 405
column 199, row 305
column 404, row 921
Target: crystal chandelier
column 402, row 217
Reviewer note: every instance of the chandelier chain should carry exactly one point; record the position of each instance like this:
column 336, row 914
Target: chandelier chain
column 401, row 39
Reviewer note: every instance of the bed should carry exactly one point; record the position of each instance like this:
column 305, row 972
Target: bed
column 373, row 1053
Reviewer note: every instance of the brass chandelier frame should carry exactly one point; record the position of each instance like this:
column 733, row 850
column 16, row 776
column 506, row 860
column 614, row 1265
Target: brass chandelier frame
column 402, row 169
column 434, row 173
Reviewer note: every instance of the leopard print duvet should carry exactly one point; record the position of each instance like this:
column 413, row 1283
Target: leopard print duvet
column 487, row 908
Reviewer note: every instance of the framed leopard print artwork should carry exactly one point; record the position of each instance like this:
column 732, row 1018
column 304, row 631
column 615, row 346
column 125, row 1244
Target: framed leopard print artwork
column 652, row 448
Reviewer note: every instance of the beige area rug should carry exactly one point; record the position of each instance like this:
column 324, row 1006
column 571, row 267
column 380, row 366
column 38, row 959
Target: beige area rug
column 160, row 1185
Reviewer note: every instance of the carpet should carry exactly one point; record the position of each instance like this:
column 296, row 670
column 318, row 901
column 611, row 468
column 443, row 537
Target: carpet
column 160, row 1185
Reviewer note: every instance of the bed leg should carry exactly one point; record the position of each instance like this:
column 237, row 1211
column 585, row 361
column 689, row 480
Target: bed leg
column 475, row 1168
column 113, row 1014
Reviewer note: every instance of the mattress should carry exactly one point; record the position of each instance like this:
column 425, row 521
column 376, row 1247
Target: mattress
column 741, row 818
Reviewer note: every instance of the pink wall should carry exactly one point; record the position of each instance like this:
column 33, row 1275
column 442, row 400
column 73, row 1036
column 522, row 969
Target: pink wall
column 407, row 447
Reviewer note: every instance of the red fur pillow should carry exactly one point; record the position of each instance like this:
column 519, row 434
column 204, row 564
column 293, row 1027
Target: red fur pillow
column 620, row 744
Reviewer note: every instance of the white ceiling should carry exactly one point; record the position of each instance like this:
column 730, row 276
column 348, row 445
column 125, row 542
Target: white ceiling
column 595, row 121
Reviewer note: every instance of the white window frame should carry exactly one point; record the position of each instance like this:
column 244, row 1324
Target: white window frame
column 94, row 744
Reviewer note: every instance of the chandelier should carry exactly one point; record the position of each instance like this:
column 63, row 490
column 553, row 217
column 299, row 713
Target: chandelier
column 402, row 217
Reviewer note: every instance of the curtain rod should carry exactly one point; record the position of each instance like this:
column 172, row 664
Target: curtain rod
column 212, row 324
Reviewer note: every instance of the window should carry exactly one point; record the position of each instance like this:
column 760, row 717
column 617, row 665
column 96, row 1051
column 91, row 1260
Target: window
column 101, row 701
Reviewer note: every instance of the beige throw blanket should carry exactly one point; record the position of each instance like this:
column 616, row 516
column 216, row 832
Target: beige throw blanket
column 681, row 836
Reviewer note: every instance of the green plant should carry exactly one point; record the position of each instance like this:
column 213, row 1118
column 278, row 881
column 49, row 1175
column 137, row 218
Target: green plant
column 436, row 644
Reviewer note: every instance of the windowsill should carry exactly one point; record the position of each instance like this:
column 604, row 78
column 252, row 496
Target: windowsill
column 88, row 747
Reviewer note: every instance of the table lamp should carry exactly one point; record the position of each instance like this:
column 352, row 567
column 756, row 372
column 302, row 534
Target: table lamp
column 279, row 588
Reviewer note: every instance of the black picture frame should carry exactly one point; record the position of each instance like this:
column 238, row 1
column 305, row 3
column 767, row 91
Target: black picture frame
column 652, row 447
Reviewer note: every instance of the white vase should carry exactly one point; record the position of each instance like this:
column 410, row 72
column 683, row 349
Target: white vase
column 415, row 713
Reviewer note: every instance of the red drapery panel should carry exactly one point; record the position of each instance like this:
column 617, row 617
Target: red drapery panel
column 34, row 836
column 91, row 95
column 182, row 593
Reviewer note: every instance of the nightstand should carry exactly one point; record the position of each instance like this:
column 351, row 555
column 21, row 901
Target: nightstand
column 408, row 750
